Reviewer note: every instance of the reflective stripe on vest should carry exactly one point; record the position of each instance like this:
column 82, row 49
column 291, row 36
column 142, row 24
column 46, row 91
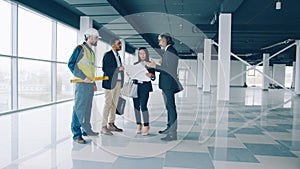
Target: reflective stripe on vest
column 87, row 63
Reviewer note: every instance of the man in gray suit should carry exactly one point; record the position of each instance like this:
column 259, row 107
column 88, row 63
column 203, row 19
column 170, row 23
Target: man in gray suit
column 168, row 83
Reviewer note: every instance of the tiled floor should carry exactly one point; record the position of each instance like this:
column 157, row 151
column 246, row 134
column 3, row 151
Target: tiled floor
column 255, row 129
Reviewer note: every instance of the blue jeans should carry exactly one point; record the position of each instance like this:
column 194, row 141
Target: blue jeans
column 82, row 109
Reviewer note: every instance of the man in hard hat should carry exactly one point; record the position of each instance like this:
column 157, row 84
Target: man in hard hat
column 82, row 65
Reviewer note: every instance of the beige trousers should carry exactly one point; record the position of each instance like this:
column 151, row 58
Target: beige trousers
column 111, row 102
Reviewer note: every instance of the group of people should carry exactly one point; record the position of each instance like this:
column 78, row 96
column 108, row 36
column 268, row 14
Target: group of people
column 82, row 65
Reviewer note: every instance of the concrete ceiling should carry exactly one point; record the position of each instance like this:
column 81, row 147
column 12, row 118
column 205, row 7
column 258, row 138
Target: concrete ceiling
column 256, row 23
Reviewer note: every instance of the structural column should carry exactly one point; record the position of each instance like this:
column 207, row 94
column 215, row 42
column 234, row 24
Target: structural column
column 297, row 72
column 200, row 70
column 266, row 67
column 293, row 78
column 207, row 65
column 223, row 80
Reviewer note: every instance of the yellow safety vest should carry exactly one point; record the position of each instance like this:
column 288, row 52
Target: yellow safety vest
column 87, row 63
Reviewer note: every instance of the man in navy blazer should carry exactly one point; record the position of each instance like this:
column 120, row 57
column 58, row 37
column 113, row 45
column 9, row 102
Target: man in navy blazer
column 112, row 67
column 168, row 83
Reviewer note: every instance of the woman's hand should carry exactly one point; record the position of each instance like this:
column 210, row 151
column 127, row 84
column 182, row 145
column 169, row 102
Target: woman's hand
column 160, row 61
column 150, row 75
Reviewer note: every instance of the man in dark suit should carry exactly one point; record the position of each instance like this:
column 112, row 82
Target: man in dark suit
column 168, row 82
column 112, row 67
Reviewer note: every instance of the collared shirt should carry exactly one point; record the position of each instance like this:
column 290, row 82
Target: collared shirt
column 118, row 63
column 167, row 47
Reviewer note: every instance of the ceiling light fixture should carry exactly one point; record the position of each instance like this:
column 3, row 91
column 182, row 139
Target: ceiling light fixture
column 278, row 5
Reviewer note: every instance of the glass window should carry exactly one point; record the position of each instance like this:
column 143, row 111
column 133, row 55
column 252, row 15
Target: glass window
column 5, row 28
column 5, row 83
column 288, row 76
column 64, row 87
column 34, row 83
column 35, row 35
column 254, row 78
column 66, row 42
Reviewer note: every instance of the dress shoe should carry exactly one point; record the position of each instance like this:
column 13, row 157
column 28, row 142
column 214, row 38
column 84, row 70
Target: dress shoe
column 139, row 129
column 169, row 137
column 165, row 131
column 80, row 141
column 105, row 131
column 146, row 131
column 113, row 127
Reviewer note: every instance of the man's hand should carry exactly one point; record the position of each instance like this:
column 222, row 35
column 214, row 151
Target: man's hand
column 87, row 80
column 151, row 64
column 121, row 68
column 95, row 88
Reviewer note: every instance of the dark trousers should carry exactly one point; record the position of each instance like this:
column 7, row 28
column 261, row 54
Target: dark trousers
column 140, row 104
column 169, row 99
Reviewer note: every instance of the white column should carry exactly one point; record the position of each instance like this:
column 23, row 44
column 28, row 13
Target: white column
column 207, row 65
column 279, row 74
column 244, row 76
column 85, row 23
column 266, row 67
column 223, row 81
column 297, row 72
column 200, row 70
column 293, row 78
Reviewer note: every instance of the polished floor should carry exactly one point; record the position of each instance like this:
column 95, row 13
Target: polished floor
column 255, row 130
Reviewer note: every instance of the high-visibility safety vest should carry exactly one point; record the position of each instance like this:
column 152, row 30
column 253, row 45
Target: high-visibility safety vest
column 87, row 63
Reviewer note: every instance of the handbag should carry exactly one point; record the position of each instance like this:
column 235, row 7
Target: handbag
column 130, row 89
column 121, row 106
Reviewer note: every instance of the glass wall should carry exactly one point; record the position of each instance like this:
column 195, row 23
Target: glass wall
column 34, row 47
column 34, row 83
column 66, row 42
column 254, row 78
column 5, row 28
column 35, row 35
column 288, row 76
column 5, row 49
column 5, row 83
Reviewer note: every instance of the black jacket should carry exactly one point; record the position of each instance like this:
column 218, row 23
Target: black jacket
column 168, row 79
column 110, row 69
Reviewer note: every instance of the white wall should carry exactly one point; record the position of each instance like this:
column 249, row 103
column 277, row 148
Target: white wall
column 190, row 66
column 236, row 68
column 279, row 73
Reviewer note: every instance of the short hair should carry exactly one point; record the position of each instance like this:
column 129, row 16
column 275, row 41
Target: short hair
column 113, row 41
column 168, row 38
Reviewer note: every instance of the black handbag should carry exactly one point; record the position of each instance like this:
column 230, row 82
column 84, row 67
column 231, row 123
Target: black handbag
column 121, row 106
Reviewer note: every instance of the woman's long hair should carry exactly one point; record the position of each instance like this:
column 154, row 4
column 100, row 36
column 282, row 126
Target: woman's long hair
column 147, row 55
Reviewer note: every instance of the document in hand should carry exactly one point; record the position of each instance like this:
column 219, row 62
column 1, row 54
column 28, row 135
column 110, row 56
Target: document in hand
column 137, row 72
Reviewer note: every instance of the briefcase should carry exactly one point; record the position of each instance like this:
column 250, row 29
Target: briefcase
column 121, row 106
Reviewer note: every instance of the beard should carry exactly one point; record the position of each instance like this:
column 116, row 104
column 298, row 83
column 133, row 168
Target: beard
column 94, row 44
